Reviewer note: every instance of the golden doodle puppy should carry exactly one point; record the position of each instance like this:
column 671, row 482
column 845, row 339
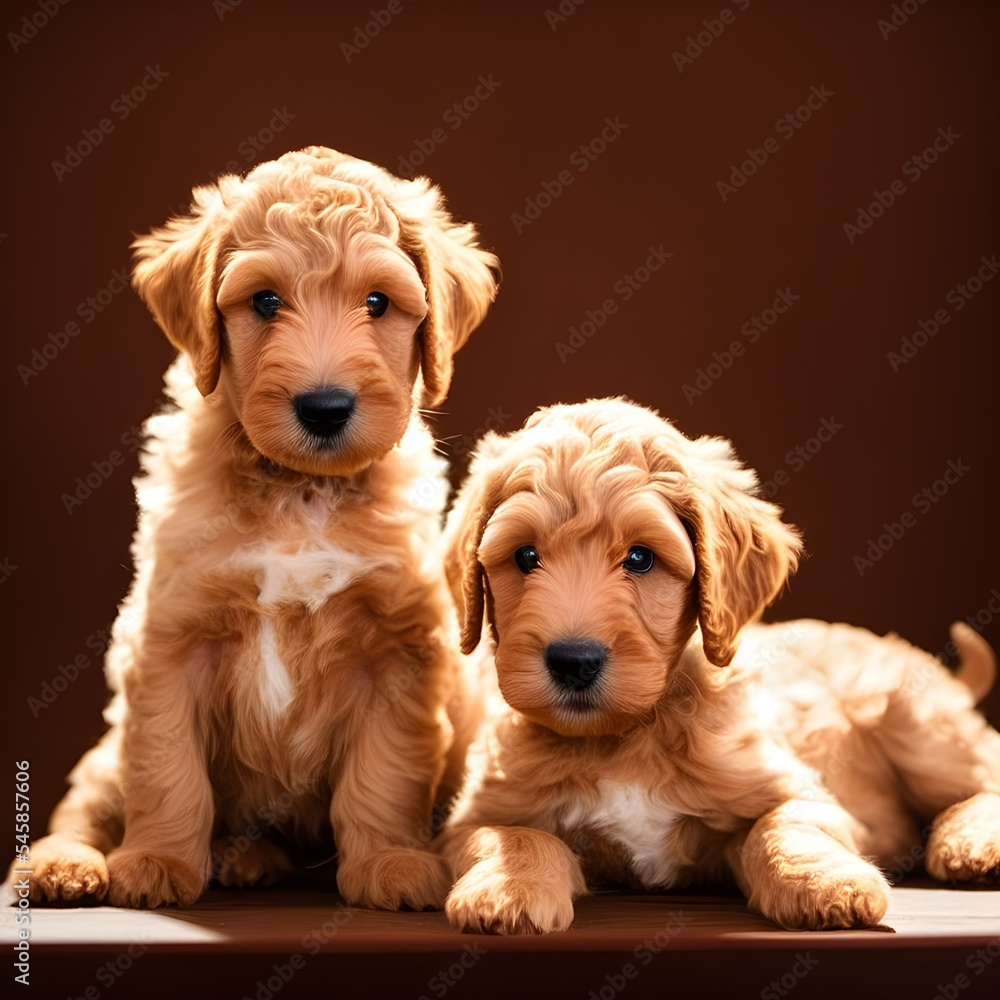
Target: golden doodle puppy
column 282, row 668
column 652, row 734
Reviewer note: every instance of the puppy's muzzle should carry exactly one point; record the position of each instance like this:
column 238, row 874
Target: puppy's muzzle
column 575, row 663
column 324, row 412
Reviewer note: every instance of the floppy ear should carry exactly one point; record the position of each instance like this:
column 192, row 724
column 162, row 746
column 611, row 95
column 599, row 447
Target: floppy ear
column 175, row 273
column 744, row 551
column 460, row 278
column 474, row 506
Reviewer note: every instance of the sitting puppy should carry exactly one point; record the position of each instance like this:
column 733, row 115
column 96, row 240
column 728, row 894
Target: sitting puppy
column 648, row 739
column 281, row 667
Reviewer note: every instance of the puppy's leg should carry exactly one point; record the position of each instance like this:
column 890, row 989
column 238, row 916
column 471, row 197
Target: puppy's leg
column 381, row 808
column 964, row 844
column 511, row 880
column 947, row 758
column 69, row 863
column 798, row 867
column 164, row 857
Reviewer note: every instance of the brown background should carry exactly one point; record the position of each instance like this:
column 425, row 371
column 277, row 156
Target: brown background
column 654, row 185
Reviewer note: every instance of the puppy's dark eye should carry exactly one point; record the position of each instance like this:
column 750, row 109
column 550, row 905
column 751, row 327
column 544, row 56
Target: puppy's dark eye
column 527, row 558
column 639, row 559
column 266, row 304
column 377, row 303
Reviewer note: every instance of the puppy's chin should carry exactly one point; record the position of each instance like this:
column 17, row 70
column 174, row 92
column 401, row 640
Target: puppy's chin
column 320, row 464
column 326, row 460
column 577, row 722
column 569, row 713
column 345, row 454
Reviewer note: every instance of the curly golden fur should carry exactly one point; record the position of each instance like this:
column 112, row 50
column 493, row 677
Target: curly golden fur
column 685, row 742
column 284, row 666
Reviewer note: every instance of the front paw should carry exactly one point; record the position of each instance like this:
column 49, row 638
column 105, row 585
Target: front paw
column 394, row 878
column 64, row 869
column 140, row 878
column 486, row 901
column 849, row 894
column 964, row 844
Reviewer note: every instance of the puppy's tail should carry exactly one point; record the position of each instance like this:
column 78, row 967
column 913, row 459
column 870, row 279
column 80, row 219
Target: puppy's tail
column 977, row 662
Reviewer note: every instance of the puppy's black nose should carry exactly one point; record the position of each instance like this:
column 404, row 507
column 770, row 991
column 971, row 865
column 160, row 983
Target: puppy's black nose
column 575, row 663
column 324, row 412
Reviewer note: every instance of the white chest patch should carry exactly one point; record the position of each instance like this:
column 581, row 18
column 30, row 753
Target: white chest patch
column 273, row 682
column 306, row 575
column 630, row 817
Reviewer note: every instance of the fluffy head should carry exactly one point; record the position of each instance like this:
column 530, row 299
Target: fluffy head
column 583, row 485
column 323, row 231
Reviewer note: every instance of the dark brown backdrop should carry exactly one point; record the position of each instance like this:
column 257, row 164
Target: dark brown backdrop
column 210, row 77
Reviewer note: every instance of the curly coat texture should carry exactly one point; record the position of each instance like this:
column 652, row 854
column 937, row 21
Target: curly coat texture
column 284, row 667
column 793, row 758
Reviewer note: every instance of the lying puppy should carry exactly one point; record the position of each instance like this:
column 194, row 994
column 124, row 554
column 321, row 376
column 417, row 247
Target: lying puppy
column 648, row 738
column 282, row 664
